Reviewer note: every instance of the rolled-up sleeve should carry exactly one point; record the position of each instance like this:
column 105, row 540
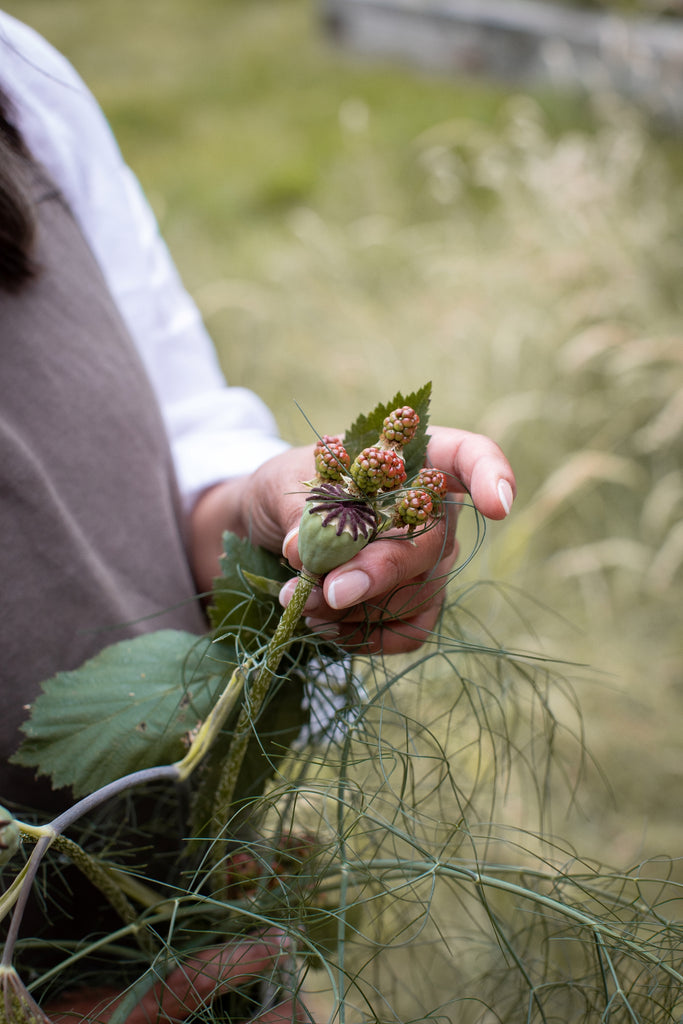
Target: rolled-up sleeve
column 215, row 431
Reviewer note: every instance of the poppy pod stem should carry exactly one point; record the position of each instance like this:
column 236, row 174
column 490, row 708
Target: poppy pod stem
column 256, row 694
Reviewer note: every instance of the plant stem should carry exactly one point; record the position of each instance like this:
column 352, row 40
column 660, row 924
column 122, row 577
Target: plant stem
column 72, row 814
column 213, row 723
column 280, row 641
column 22, row 898
column 404, row 871
column 102, row 878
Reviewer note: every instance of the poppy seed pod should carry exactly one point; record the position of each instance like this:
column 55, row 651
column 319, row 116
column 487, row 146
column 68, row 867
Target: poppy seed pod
column 334, row 527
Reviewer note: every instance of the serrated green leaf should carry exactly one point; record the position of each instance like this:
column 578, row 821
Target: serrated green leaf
column 244, row 605
column 127, row 708
column 271, row 588
column 240, row 556
column 366, row 429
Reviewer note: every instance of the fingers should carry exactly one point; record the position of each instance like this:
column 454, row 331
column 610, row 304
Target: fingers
column 287, row 1012
column 94, row 1004
column 212, row 972
column 389, row 595
column 193, row 984
column 383, row 566
column 476, row 462
column 274, row 496
column 275, row 493
column 381, row 629
column 400, row 615
column 390, row 565
column 202, row 977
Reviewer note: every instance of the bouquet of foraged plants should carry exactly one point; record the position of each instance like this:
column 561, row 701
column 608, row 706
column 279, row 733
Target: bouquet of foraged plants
column 260, row 785
column 117, row 724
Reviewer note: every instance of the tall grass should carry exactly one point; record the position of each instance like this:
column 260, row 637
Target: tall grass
column 536, row 280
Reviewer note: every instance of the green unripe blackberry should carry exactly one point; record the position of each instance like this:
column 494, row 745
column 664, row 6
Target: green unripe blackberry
column 400, row 426
column 378, row 469
column 432, row 480
column 415, row 508
column 331, row 458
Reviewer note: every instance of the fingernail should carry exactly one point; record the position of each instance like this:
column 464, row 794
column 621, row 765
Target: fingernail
column 505, row 495
column 285, row 595
column 289, row 537
column 315, row 598
column 323, row 628
column 348, row 589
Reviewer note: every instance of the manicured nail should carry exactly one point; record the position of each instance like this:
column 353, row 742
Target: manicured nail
column 348, row 589
column 323, row 628
column 286, row 592
column 315, row 598
column 289, row 538
column 505, row 495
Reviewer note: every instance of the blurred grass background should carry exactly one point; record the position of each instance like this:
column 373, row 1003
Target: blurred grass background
column 352, row 229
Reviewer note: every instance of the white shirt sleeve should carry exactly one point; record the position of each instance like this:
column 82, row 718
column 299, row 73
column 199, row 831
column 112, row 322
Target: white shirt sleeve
column 215, row 431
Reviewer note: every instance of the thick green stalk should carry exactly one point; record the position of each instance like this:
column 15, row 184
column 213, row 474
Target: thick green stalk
column 280, row 641
column 102, row 879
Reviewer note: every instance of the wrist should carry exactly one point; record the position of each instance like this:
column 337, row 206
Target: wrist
column 216, row 510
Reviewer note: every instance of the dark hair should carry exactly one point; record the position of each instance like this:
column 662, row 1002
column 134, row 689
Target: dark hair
column 17, row 221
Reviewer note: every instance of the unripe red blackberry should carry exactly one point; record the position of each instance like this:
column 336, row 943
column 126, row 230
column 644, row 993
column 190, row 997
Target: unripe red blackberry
column 331, row 458
column 378, row 469
column 414, row 508
column 433, row 480
column 243, row 872
column 400, row 426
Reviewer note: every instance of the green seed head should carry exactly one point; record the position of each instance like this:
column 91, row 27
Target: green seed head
column 334, row 527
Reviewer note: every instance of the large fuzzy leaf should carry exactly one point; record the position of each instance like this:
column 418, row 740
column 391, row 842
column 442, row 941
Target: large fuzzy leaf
column 366, row 429
column 125, row 709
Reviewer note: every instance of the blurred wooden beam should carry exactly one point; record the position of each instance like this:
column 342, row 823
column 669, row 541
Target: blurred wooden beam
column 522, row 42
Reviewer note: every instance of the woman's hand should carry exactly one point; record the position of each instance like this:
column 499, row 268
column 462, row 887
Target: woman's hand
column 388, row 596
